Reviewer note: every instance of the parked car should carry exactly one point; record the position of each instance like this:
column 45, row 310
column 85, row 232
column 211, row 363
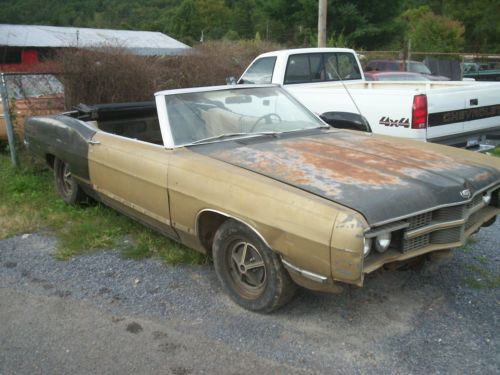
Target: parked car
column 482, row 72
column 330, row 82
column 403, row 66
column 394, row 76
column 278, row 198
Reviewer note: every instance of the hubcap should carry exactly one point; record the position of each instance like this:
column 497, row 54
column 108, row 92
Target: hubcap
column 66, row 180
column 247, row 269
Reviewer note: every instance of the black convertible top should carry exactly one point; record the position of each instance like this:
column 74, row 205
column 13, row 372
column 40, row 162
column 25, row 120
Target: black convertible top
column 114, row 111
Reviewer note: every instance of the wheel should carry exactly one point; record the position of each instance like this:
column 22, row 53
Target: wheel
column 66, row 185
column 269, row 118
column 248, row 270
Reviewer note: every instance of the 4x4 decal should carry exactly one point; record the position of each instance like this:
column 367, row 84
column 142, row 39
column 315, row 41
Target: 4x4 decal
column 387, row 121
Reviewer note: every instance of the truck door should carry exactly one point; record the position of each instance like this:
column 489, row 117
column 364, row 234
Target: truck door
column 131, row 176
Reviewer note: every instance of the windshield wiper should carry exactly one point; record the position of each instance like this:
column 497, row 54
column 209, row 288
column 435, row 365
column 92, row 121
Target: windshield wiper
column 232, row 135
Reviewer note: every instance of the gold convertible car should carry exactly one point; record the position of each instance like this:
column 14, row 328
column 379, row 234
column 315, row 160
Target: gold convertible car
column 276, row 197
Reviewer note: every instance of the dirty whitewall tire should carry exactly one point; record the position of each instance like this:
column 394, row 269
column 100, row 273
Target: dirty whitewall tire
column 65, row 183
column 250, row 273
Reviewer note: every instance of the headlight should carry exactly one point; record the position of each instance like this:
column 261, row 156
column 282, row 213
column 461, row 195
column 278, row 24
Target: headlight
column 382, row 242
column 367, row 246
column 487, row 198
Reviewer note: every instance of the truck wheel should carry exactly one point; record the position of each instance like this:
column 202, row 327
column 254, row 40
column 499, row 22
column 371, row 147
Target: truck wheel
column 66, row 185
column 248, row 270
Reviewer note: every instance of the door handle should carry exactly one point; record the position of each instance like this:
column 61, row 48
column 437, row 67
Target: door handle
column 474, row 102
column 92, row 142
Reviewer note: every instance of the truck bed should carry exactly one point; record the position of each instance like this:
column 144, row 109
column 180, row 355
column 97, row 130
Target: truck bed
column 457, row 111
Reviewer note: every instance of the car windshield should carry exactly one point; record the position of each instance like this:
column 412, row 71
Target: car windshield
column 218, row 115
column 419, row 67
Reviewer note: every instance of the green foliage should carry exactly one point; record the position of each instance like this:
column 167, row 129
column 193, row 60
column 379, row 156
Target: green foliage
column 480, row 277
column 495, row 152
column 429, row 32
column 362, row 23
column 339, row 40
column 29, row 204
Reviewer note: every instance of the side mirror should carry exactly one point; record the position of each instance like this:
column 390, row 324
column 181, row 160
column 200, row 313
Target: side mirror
column 346, row 120
column 231, row 80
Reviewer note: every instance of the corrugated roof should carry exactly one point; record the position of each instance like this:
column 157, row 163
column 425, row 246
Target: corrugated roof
column 140, row 42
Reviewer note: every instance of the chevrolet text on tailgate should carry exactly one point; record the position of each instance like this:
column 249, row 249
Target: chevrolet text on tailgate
column 330, row 82
column 273, row 194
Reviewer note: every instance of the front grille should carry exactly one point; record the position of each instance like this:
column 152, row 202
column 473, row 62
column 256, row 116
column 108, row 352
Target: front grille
column 416, row 243
column 442, row 226
column 420, row 220
column 447, row 235
column 448, row 214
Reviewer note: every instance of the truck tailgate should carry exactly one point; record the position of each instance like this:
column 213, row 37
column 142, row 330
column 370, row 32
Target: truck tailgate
column 461, row 116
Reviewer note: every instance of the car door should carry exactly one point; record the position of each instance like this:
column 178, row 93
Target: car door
column 131, row 176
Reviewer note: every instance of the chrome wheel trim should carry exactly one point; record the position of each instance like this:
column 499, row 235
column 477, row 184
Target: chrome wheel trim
column 67, row 180
column 247, row 269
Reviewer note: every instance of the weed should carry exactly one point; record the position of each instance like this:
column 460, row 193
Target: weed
column 481, row 278
column 482, row 259
column 467, row 247
column 28, row 203
column 495, row 152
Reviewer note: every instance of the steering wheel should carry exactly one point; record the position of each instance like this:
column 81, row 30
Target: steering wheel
column 268, row 117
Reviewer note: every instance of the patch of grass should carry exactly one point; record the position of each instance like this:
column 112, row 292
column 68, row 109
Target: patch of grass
column 467, row 247
column 495, row 152
column 481, row 259
column 29, row 203
column 481, row 278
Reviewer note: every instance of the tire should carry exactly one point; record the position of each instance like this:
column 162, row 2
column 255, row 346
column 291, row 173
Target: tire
column 250, row 273
column 66, row 185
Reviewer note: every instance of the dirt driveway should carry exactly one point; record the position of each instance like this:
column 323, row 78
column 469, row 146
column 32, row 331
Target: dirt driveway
column 103, row 314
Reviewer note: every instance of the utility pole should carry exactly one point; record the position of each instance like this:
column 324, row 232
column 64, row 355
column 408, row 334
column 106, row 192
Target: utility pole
column 322, row 23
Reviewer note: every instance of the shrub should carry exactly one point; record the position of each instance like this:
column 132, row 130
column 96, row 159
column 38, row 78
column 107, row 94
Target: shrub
column 109, row 75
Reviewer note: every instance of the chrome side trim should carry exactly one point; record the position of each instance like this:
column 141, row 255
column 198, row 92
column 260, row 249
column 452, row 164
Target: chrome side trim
column 196, row 231
column 307, row 274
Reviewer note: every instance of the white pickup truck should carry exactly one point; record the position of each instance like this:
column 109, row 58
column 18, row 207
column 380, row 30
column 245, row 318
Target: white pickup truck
column 330, row 82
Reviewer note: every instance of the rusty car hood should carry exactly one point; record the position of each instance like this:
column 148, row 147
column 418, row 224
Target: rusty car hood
column 359, row 171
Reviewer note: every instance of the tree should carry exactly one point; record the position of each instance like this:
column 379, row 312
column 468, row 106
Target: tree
column 429, row 32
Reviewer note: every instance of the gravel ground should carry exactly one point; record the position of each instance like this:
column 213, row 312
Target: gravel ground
column 442, row 319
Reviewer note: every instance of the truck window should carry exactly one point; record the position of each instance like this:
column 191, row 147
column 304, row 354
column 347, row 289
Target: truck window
column 331, row 67
column 305, row 68
column 318, row 67
column 348, row 67
column 260, row 72
column 341, row 66
column 297, row 69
